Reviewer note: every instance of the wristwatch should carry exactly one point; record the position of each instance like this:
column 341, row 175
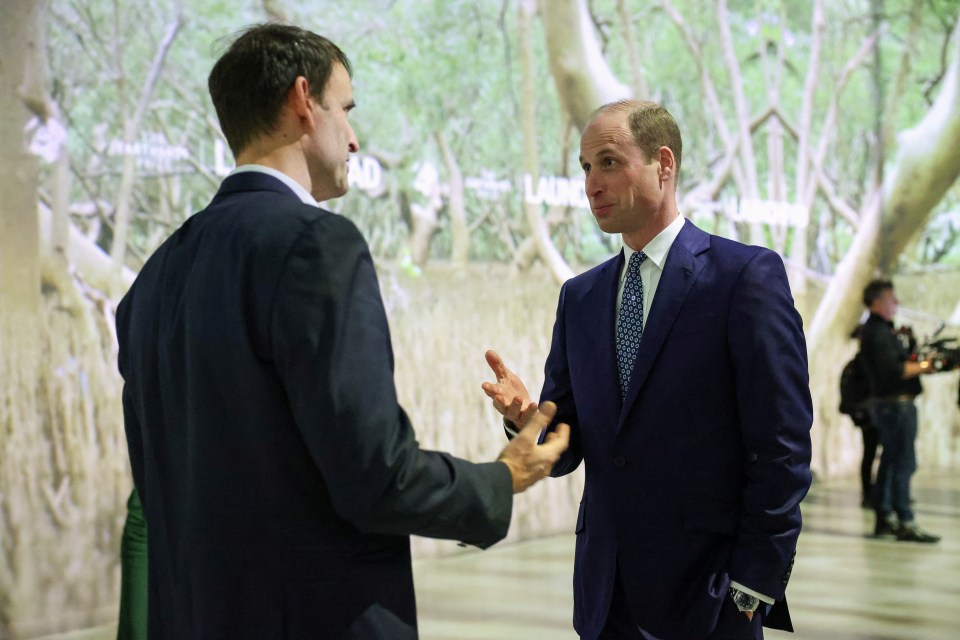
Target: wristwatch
column 744, row 601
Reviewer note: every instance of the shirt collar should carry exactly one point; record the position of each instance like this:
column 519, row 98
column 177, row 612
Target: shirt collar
column 295, row 186
column 658, row 248
column 878, row 318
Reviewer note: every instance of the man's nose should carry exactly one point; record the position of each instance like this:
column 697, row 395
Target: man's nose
column 592, row 186
column 353, row 144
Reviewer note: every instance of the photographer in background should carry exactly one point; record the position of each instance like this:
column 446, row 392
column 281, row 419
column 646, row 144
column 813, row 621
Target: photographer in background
column 894, row 382
column 859, row 389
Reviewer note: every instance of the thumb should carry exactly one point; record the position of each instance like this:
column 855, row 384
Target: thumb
column 558, row 440
column 539, row 421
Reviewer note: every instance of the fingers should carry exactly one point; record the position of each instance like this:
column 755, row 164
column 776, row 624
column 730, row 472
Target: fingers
column 496, row 363
column 538, row 422
column 557, row 440
column 516, row 413
column 527, row 413
column 528, row 461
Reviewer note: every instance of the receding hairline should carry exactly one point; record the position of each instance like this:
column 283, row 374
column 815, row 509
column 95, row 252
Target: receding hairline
column 622, row 106
column 643, row 118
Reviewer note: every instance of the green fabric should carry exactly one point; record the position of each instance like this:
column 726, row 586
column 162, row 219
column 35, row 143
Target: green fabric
column 133, row 574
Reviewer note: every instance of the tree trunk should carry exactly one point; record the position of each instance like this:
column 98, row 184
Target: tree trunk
column 638, row 77
column 424, row 217
column 927, row 164
column 92, row 264
column 802, row 193
column 19, row 307
column 19, row 303
column 547, row 251
column 19, row 236
column 583, row 77
column 63, row 469
column 456, row 203
column 131, row 129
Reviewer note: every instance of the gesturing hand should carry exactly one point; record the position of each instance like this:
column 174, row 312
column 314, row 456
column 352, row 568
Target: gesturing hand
column 529, row 462
column 509, row 394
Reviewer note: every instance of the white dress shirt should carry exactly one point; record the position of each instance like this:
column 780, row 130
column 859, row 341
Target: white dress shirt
column 652, row 268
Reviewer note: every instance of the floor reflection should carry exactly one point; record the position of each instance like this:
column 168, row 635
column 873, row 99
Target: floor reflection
column 845, row 585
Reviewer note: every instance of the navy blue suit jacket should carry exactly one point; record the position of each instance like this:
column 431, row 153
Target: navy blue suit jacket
column 279, row 477
column 696, row 478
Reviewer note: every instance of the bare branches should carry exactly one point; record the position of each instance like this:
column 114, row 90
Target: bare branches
column 892, row 108
column 156, row 66
column 640, row 88
column 131, row 126
column 816, row 157
column 810, row 85
column 275, row 10
column 741, row 110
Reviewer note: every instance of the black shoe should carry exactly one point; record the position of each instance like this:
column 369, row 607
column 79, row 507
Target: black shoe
column 910, row 532
column 885, row 529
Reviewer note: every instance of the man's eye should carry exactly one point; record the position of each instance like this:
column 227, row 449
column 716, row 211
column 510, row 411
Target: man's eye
column 608, row 162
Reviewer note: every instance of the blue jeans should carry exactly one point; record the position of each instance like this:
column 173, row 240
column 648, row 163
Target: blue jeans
column 897, row 423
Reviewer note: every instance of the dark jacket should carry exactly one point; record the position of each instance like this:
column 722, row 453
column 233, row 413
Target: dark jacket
column 279, row 477
column 696, row 478
column 884, row 352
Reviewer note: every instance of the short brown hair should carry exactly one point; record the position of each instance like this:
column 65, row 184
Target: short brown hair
column 652, row 127
column 874, row 290
column 249, row 82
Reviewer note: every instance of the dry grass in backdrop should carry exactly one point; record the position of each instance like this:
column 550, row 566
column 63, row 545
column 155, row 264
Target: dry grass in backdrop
column 443, row 321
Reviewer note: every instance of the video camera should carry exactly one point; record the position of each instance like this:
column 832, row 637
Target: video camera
column 945, row 351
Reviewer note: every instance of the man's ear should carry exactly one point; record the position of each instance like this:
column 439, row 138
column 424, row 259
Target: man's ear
column 300, row 101
column 668, row 167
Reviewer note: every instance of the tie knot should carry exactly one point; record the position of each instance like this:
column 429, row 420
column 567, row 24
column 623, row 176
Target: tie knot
column 636, row 260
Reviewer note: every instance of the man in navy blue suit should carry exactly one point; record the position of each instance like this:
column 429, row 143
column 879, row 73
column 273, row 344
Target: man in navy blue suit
column 280, row 479
column 680, row 365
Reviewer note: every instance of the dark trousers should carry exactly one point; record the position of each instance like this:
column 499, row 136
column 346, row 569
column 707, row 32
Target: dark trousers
column 132, row 624
column 871, row 439
column 896, row 422
column 731, row 625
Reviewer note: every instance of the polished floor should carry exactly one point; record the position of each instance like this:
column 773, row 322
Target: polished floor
column 845, row 585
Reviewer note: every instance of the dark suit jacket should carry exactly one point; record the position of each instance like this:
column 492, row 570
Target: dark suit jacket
column 697, row 477
column 279, row 477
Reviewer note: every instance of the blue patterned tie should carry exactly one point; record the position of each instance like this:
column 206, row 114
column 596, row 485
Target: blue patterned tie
column 630, row 321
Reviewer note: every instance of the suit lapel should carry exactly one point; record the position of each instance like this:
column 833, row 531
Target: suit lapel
column 597, row 352
column 680, row 272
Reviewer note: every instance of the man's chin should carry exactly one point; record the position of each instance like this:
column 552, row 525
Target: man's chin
column 606, row 225
column 332, row 193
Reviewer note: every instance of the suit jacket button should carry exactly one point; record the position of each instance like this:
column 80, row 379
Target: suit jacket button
column 619, row 461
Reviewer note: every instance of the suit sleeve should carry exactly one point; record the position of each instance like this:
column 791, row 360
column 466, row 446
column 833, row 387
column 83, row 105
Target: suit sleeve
column 131, row 423
column 768, row 349
column 558, row 389
column 332, row 349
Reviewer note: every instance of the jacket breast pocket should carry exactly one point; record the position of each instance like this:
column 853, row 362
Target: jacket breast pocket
column 694, row 324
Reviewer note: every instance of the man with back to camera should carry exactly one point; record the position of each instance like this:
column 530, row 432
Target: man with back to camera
column 894, row 383
column 680, row 365
column 279, row 477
